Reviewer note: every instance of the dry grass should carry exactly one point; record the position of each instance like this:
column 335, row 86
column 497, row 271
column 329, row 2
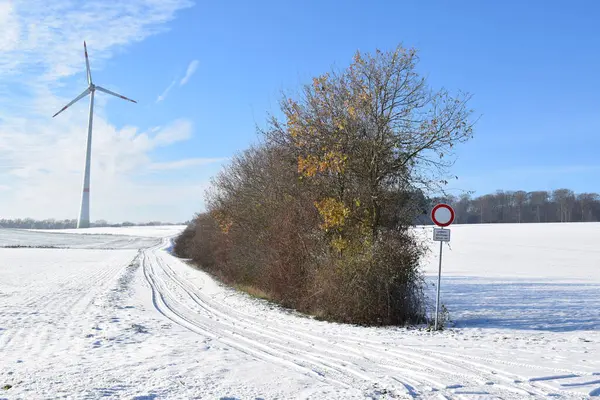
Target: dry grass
column 254, row 291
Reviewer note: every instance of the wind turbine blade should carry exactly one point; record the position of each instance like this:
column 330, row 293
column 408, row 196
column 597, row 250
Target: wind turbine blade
column 87, row 64
column 114, row 94
column 82, row 95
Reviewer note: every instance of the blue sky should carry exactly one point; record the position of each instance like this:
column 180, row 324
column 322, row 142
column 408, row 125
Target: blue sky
column 531, row 66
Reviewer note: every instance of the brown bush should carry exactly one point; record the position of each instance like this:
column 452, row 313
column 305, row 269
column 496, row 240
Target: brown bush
column 383, row 287
column 317, row 216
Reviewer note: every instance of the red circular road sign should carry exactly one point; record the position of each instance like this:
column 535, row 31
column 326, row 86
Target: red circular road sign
column 442, row 215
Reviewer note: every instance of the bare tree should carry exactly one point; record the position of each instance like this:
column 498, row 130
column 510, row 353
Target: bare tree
column 586, row 202
column 539, row 200
column 565, row 200
column 372, row 128
column 520, row 198
column 463, row 208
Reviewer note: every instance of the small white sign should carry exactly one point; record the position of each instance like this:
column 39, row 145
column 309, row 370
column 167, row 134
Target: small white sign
column 441, row 235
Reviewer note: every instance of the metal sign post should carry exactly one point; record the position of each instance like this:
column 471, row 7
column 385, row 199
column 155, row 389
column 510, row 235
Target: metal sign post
column 437, row 302
column 442, row 215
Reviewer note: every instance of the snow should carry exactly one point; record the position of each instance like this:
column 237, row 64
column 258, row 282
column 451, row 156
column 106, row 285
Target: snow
column 55, row 239
column 143, row 231
column 538, row 276
column 106, row 319
column 542, row 252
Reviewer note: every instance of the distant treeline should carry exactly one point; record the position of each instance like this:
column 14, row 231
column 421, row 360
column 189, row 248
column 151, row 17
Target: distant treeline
column 28, row 223
column 561, row 205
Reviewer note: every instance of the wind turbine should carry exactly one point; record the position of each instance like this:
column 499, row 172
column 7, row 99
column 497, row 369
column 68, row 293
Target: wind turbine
column 84, row 214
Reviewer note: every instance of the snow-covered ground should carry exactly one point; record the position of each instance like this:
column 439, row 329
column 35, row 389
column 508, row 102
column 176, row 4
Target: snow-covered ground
column 54, row 239
column 141, row 231
column 141, row 324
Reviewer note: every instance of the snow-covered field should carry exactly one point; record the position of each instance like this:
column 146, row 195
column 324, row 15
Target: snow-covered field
column 143, row 231
column 108, row 319
column 11, row 238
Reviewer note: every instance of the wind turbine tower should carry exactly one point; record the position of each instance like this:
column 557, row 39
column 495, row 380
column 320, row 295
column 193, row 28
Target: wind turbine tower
column 84, row 213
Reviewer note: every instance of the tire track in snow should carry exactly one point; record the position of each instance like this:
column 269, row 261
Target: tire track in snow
column 363, row 364
column 430, row 359
column 232, row 322
column 165, row 301
column 339, row 357
column 405, row 362
column 309, row 350
column 48, row 319
column 429, row 366
column 294, row 352
column 452, row 361
column 68, row 308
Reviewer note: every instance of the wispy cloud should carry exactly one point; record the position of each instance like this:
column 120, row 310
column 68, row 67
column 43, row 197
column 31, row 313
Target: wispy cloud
column 41, row 159
column 190, row 162
column 10, row 27
column 191, row 69
column 164, row 94
column 49, row 39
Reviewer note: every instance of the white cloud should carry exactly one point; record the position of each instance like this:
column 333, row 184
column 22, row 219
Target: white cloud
column 191, row 69
column 50, row 37
column 41, row 159
column 46, row 178
column 164, row 94
column 176, row 132
column 10, row 27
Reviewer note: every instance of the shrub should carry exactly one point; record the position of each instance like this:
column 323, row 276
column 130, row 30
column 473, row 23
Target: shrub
column 317, row 215
column 383, row 287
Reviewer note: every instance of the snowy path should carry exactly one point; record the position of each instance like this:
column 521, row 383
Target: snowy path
column 88, row 323
column 392, row 361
